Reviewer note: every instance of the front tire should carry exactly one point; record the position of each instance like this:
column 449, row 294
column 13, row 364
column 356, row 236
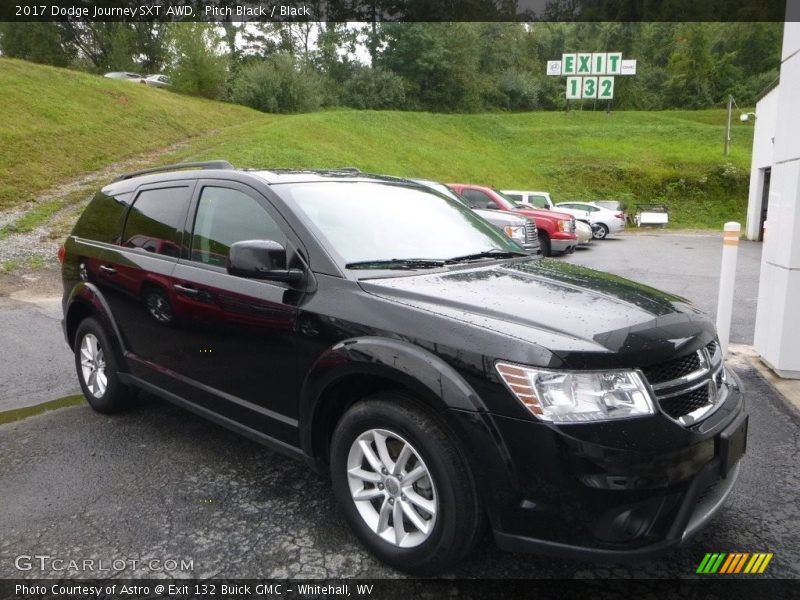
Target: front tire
column 404, row 486
column 544, row 244
column 98, row 370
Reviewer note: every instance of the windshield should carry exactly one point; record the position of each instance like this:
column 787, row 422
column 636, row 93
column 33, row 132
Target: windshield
column 369, row 222
column 441, row 188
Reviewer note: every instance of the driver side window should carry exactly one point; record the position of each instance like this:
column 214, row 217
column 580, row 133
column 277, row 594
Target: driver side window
column 225, row 216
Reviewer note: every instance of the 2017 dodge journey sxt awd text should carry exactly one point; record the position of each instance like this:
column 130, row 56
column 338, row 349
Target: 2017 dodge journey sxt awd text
column 392, row 338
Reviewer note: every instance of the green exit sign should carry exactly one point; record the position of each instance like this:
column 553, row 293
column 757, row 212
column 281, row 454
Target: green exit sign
column 591, row 74
column 592, row 63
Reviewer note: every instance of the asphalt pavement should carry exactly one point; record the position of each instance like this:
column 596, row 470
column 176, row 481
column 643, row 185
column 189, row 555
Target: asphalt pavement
column 159, row 483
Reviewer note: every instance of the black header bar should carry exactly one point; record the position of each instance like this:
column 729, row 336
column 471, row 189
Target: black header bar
column 395, row 10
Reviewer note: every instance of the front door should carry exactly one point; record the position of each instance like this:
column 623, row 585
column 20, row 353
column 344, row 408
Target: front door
column 232, row 343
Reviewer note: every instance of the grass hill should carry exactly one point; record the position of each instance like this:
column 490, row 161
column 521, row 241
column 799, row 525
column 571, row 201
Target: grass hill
column 670, row 157
column 58, row 123
column 61, row 123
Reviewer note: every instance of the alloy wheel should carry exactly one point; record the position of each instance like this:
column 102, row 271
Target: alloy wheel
column 392, row 488
column 93, row 365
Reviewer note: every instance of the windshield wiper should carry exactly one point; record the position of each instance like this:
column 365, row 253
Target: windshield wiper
column 397, row 264
column 493, row 253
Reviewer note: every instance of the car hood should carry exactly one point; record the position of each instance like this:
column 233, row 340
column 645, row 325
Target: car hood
column 500, row 218
column 587, row 318
column 534, row 213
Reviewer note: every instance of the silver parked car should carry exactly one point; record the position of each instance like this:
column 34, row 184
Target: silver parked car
column 125, row 75
column 604, row 222
column 158, row 80
column 584, row 232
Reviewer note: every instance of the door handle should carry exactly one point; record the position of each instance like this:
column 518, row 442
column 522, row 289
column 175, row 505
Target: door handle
column 107, row 269
column 190, row 291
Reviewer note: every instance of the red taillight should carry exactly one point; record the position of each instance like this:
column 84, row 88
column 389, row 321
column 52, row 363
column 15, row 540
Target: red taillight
column 61, row 253
column 620, row 216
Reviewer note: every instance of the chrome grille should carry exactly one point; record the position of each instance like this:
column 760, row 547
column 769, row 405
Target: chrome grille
column 673, row 369
column 531, row 235
column 678, row 406
column 691, row 387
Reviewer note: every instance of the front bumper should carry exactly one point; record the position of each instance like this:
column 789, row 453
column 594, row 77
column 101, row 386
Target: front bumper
column 704, row 498
column 621, row 491
column 563, row 245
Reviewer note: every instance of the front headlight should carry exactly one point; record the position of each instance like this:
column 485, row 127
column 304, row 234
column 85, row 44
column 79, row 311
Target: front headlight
column 516, row 233
column 578, row 396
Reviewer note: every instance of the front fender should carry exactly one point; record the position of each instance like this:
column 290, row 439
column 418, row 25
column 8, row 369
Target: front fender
column 432, row 381
column 411, row 366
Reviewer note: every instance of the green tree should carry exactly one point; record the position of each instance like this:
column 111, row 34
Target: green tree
column 439, row 62
column 37, row 42
column 198, row 69
column 690, row 68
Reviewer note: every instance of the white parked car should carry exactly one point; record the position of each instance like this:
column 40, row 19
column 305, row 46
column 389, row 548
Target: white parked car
column 584, row 232
column 604, row 222
column 157, row 80
column 534, row 199
column 125, row 75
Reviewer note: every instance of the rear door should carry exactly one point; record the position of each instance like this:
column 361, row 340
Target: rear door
column 136, row 269
column 232, row 347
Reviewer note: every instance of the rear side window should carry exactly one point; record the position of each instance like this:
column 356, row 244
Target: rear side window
column 102, row 219
column 225, row 216
column 514, row 197
column 156, row 219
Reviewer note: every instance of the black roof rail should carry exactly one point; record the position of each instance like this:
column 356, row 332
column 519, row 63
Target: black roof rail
column 209, row 164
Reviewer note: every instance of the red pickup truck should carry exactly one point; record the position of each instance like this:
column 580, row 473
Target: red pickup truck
column 556, row 230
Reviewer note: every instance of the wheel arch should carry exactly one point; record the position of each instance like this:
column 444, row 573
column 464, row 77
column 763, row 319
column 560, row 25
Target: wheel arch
column 85, row 301
column 356, row 368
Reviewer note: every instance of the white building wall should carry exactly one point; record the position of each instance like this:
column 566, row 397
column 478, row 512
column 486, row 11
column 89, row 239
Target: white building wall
column 763, row 137
column 777, row 335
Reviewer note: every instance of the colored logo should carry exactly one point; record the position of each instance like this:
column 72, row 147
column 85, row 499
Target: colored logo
column 734, row 562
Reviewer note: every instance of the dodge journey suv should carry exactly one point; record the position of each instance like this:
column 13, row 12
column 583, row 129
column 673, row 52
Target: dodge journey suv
column 444, row 379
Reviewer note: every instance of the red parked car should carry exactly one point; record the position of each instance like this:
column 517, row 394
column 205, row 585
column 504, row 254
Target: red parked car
column 556, row 230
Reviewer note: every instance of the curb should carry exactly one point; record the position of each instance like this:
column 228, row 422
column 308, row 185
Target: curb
column 788, row 389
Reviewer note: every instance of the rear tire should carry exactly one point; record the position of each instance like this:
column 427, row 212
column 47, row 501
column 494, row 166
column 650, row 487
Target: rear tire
column 378, row 446
column 600, row 231
column 98, row 371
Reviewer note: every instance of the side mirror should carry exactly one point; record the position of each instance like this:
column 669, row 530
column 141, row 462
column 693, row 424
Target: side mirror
column 262, row 259
column 491, row 206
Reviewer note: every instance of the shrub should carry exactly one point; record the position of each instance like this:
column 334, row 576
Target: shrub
column 374, row 88
column 278, row 84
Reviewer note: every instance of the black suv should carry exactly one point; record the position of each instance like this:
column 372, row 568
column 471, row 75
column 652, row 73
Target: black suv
column 389, row 336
